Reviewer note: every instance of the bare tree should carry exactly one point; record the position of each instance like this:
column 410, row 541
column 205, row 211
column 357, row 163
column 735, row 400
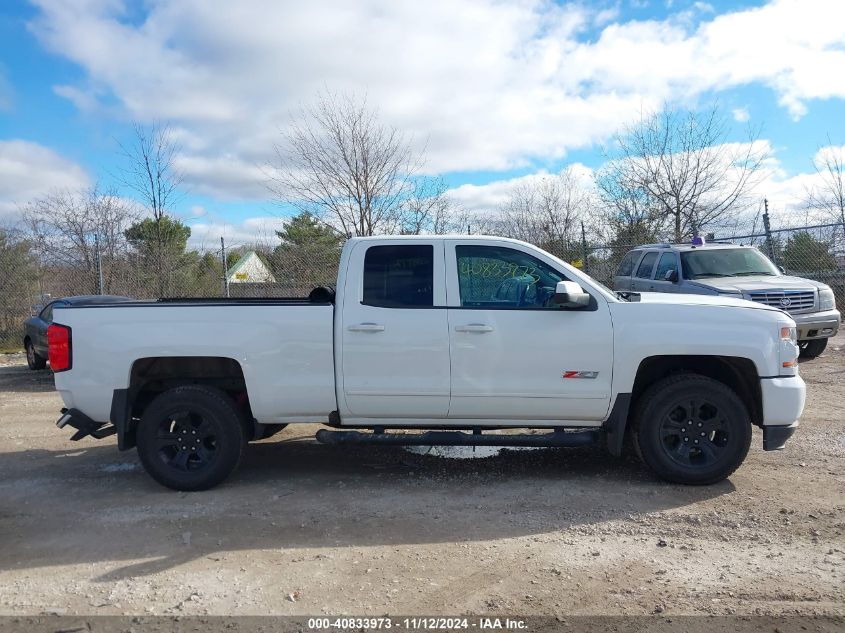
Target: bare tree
column 676, row 170
column 829, row 195
column 547, row 211
column 338, row 162
column 428, row 209
column 149, row 170
column 79, row 231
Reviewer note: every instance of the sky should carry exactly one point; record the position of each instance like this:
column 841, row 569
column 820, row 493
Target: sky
column 495, row 91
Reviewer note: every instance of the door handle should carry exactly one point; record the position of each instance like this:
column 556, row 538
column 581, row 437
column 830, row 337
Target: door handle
column 474, row 327
column 366, row 327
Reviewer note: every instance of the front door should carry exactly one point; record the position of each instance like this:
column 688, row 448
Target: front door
column 393, row 332
column 515, row 354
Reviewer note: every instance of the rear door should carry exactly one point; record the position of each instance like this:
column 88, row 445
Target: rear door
column 394, row 334
column 623, row 280
column 642, row 281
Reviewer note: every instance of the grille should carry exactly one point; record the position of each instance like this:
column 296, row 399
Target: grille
column 792, row 301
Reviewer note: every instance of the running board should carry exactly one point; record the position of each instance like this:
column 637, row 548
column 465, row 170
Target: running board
column 457, row 438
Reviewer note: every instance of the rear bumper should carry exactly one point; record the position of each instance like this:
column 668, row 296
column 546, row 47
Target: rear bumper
column 817, row 324
column 84, row 425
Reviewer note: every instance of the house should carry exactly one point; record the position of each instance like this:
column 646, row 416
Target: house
column 250, row 270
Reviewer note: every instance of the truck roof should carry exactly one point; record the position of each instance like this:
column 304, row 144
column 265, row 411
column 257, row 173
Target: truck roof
column 692, row 247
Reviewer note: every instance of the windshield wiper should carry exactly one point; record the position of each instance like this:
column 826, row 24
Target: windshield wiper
column 750, row 273
column 710, row 275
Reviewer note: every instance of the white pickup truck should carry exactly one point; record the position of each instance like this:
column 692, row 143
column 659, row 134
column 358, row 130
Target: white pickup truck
column 453, row 337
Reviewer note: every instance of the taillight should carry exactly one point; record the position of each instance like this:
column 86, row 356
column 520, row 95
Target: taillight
column 59, row 347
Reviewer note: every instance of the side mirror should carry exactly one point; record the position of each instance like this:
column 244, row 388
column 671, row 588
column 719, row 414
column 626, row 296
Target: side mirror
column 671, row 275
column 569, row 294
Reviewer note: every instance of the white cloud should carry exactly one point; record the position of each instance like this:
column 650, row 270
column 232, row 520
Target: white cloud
column 488, row 198
column 206, row 234
column 485, row 85
column 29, row 170
column 741, row 115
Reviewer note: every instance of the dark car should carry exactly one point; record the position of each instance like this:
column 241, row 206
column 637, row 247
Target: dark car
column 35, row 327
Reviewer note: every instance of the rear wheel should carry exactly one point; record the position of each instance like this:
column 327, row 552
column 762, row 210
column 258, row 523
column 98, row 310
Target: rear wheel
column 33, row 359
column 191, row 437
column 691, row 429
column 813, row 348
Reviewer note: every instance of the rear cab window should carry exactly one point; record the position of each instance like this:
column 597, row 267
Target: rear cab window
column 400, row 276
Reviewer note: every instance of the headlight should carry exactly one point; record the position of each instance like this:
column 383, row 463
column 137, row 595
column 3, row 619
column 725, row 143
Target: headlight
column 788, row 350
column 826, row 300
column 789, row 334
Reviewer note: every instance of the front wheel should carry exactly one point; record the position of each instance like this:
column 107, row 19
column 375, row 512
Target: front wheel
column 190, row 437
column 691, row 429
column 33, row 359
column 811, row 349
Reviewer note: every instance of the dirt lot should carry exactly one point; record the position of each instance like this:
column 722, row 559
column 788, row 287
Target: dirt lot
column 309, row 529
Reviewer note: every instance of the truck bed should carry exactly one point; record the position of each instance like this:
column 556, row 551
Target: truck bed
column 286, row 355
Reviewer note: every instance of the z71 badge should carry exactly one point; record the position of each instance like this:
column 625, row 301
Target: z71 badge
column 580, row 374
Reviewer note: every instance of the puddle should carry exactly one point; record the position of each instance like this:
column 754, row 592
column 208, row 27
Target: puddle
column 466, row 452
column 118, row 468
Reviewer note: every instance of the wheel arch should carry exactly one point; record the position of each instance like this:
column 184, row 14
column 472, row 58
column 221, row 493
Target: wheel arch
column 738, row 373
column 151, row 376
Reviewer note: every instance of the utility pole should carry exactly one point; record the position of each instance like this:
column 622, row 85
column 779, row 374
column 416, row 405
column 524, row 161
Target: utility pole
column 99, row 263
column 768, row 230
column 585, row 257
column 225, row 267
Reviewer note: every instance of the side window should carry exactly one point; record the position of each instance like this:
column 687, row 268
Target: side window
column 499, row 277
column 668, row 261
column 646, row 265
column 626, row 266
column 399, row 276
column 47, row 314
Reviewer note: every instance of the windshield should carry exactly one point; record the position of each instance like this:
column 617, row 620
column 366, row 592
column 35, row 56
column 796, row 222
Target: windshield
column 726, row 262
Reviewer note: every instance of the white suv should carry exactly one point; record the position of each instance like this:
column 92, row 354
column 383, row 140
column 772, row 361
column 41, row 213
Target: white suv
column 734, row 271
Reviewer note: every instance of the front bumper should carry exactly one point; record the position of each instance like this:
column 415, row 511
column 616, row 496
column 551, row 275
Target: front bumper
column 775, row 437
column 817, row 324
column 783, row 400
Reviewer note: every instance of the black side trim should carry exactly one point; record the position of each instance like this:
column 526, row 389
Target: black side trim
column 456, row 438
column 614, row 426
column 120, row 417
column 775, row 437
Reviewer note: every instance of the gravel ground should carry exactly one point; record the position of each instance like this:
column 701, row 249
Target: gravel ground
column 309, row 529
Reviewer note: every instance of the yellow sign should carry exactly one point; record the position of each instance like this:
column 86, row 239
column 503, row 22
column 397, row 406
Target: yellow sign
column 578, row 263
column 242, row 276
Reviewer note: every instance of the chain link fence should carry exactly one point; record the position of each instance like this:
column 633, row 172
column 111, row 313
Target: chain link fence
column 31, row 277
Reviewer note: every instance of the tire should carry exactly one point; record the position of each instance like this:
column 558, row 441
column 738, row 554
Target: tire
column 191, row 437
column 33, row 359
column 811, row 349
column 720, row 437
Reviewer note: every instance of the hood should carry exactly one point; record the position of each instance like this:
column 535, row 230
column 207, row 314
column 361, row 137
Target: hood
column 754, row 283
column 702, row 300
